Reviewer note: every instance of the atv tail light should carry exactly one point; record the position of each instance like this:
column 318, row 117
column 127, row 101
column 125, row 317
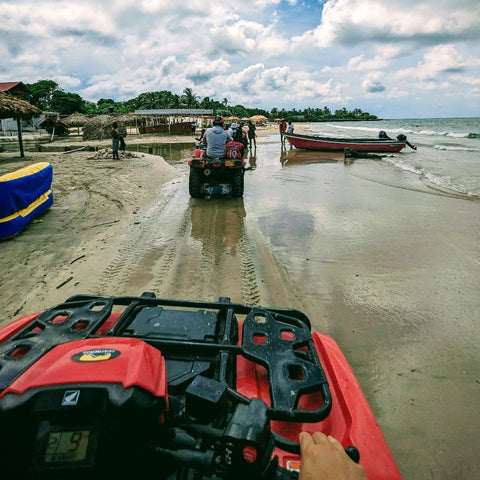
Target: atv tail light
column 293, row 465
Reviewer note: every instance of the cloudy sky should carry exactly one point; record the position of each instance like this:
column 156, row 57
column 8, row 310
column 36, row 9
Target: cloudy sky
column 396, row 59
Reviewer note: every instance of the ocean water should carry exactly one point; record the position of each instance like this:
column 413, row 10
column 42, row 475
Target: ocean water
column 447, row 158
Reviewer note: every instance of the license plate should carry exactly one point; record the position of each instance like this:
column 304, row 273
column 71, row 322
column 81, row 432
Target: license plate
column 229, row 163
column 219, row 190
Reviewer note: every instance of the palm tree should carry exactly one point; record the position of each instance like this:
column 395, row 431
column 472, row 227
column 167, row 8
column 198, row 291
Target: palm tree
column 147, row 100
column 189, row 98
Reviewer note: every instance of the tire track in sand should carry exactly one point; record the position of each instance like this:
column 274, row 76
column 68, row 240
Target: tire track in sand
column 134, row 268
column 250, row 290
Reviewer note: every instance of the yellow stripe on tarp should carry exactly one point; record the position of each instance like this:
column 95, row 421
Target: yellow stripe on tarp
column 25, row 171
column 26, row 211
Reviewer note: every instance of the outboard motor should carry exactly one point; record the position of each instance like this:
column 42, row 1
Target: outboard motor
column 403, row 138
column 383, row 134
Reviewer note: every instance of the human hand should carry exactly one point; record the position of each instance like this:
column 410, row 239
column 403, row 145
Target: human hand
column 323, row 458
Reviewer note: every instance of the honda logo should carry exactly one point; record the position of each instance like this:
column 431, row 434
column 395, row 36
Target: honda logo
column 70, row 398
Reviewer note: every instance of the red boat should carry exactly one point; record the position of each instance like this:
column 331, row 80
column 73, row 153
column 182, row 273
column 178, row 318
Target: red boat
column 110, row 386
column 316, row 142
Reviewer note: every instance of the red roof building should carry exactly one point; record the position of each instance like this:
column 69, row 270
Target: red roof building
column 14, row 88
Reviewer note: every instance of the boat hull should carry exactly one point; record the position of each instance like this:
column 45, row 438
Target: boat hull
column 314, row 142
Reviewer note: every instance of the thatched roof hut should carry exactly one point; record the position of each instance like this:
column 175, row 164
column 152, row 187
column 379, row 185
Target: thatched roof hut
column 126, row 119
column 258, row 118
column 12, row 107
column 55, row 126
column 100, row 127
column 75, row 120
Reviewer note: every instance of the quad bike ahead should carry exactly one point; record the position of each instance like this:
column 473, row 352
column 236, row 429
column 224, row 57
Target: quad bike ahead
column 98, row 387
column 217, row 176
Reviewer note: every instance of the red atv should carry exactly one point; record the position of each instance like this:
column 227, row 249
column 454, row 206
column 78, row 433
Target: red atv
column 217, row 176
column 107, row 387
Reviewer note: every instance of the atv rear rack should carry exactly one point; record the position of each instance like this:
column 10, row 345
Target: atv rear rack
column 198, row 339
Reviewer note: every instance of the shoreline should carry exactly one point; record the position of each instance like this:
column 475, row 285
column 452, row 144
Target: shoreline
column 76, row 139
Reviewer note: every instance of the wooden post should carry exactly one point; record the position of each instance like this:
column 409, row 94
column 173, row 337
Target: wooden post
column 19, row 132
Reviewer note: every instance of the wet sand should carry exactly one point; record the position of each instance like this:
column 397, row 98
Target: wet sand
column 390, row 269
column 386, row 267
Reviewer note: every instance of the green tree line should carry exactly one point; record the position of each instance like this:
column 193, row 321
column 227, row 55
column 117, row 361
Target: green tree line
column 48, row 96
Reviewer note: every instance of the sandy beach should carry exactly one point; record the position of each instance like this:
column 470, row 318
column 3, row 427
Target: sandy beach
column 385, row 266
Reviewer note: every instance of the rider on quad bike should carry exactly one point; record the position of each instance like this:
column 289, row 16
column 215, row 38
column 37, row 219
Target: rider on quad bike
column 217, row 166
column 216, row 139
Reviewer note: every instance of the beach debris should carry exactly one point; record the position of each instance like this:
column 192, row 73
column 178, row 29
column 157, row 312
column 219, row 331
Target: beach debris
column 78, row 258
column 65, row 282
column 72, row 151
column 107, row 152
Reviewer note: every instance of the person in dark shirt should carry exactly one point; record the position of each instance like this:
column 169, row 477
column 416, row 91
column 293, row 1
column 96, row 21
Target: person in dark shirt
column 115, row 140
column 251, row 133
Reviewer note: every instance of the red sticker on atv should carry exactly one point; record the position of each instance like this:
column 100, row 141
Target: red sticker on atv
column 234, row 150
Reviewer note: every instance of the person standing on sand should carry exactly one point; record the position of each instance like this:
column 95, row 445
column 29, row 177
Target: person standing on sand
column 290, row 127
column 251, row 133
column 282, row 126
column 115, row 141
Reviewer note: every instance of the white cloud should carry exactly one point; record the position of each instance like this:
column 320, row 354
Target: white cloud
column 359, row 63
column 444, row 58
column 354, row 21
column 358, row 52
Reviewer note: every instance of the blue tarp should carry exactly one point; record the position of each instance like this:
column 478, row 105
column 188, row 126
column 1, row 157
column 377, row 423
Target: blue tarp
column 15, row 223
column 24, row 194
column 21, row 188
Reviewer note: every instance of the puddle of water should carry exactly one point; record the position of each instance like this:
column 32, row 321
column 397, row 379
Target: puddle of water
column 171, row 152
column 177, row 153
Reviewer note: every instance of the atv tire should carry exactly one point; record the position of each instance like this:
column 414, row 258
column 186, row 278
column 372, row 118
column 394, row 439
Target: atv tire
column 195, row 183
column 238, row 183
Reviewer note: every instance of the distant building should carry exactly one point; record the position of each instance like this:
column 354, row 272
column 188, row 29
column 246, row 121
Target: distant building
column 176, row 121
column 19, row 89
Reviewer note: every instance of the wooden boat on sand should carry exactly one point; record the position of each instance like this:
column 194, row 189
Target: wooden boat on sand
column 316, row 142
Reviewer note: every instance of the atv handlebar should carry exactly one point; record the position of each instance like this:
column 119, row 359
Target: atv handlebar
column 242, row 450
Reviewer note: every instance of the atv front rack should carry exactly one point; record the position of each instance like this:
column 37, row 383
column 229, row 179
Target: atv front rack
column 201, row 341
